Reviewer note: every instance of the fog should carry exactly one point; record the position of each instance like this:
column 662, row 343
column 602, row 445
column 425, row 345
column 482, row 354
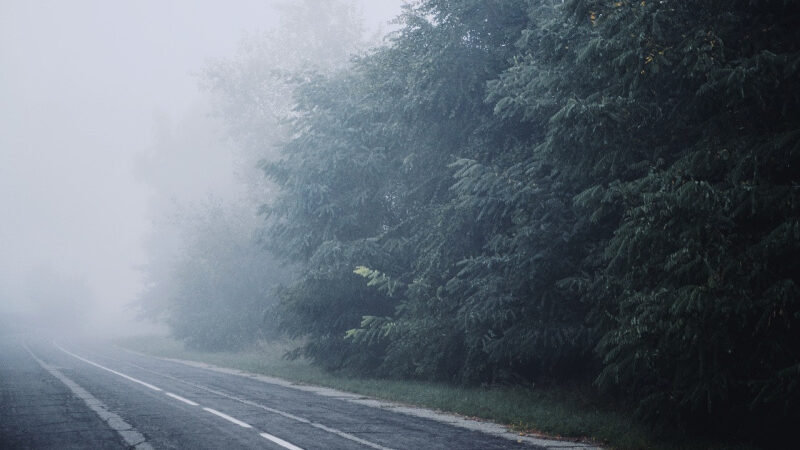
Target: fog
column 103, row 126
column 590, row 202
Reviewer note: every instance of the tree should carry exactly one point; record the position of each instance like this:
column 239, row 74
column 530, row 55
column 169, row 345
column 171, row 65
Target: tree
column 516, row 191
column 253, row 90
column 223, row 285
column 207, row 275
column 361, row 174
column 674, row 122
column 255, row 95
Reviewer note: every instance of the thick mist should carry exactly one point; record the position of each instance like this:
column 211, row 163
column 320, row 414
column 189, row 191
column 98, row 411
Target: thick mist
column 112, row 138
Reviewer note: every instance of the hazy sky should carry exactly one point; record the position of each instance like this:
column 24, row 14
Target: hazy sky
column 81, row 83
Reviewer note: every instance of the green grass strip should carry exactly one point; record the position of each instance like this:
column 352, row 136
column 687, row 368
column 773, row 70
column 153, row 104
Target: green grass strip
column 574, row 413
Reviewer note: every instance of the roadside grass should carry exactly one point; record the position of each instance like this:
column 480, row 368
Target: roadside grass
column 560, row 412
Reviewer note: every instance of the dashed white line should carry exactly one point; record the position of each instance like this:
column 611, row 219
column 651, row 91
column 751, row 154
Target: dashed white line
column 228, row 418
column 280, row 441
column 268, row 436
column 184, row 400
column 303, row 420
column 148, row 385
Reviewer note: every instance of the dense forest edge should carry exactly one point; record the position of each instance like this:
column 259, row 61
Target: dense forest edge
column 530, row 192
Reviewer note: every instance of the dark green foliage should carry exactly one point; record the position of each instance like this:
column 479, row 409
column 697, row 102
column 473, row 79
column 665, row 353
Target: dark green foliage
column 704, row 315
column 329, row 209
column 363, row 174
column 516, row 191
column 677, row 123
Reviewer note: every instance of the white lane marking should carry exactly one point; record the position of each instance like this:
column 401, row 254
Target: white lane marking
column 275, row 439
column 184, row 400
column 228, row 418
column 489, row 428
column 115, row 422
column 280, row 441
column 320, row 426
column 106, row 368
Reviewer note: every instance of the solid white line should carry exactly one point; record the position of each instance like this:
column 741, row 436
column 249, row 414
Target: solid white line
column 148, row 385
column 280, row 441
column 124, row 429
column 228, row 418
column 184, row 400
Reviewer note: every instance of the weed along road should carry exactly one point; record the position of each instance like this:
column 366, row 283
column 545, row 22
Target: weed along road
column 65, row 394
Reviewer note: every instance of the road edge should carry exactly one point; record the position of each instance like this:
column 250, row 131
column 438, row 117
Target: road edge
column 483, row 426
column 126, row 431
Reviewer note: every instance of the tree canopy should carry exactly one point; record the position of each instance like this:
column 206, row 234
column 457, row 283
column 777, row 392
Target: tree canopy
column 534, row 190
column 517, row 191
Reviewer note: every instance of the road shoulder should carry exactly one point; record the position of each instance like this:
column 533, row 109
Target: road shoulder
column 471, row 424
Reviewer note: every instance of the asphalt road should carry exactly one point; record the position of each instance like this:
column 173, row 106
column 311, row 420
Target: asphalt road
column 64, row 394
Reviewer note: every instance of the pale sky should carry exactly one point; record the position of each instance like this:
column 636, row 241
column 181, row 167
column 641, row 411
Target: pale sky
column 81, row 83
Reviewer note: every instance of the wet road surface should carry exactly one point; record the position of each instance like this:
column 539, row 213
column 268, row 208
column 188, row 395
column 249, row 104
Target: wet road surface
column 64, row 394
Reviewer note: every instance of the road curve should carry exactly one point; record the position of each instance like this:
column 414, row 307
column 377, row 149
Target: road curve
column 66, row 394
